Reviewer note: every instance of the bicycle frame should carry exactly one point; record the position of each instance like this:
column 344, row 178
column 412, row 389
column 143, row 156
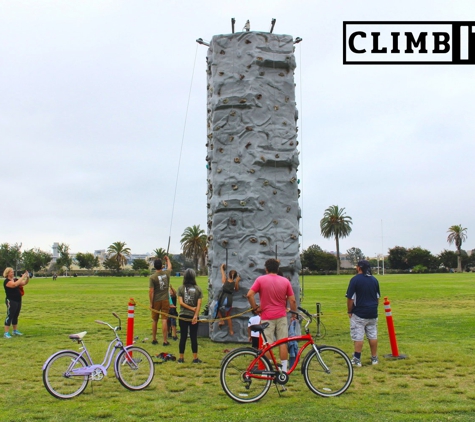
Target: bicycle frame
column 91, row 368
column 268, row 349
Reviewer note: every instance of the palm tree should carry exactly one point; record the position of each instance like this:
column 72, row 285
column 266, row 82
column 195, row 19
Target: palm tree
column 335, row 224
column 457, row 235
column 119, row 253
column 159, row 253
column 193, row 242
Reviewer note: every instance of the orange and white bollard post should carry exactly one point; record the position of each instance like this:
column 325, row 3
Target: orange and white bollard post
column 130, row 322
column 392, row 333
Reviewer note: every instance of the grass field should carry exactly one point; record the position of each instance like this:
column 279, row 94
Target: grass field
column 433, row 315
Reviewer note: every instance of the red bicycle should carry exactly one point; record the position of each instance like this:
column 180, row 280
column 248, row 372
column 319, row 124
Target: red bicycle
column 247, row 373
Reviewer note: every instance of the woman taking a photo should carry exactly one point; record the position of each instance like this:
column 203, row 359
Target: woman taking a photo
column 189, row 298
column 13, row 293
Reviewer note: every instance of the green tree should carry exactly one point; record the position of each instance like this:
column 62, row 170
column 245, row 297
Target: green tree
column 448, row 258
column 193, row 242
column 10, row 256
column 421, row 257
column 87, row 260
column 457, row 235
column 140, row 264
column 355, row 255
column 111, row 264
column 35, row 259
column 338, row 225
column 119, row 253
column 397, row 258
column 159, row 253
column 316, row 259
column 64, row 259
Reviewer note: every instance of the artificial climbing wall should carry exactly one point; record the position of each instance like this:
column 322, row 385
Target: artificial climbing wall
column 252, row 160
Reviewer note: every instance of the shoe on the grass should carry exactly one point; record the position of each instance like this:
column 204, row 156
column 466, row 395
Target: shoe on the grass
column 197, row 361
column 181, row 360
column 154, row 342
column 7, row 335
column 374, row 360
column 355, row 361
column 17, row 333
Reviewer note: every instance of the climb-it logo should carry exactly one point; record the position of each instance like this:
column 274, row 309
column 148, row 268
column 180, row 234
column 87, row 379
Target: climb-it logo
column 409, row 43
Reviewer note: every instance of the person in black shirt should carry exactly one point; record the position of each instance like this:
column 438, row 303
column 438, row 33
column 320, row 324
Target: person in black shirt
column 13, row 293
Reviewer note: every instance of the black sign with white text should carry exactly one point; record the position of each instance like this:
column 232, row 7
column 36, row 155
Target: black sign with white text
column 408, row 42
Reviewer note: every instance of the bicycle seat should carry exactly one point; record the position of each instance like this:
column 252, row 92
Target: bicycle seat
column 259, row 327
column 78, row 336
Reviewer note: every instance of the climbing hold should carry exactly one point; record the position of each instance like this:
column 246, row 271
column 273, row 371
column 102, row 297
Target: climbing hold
column 221, row 150
column 210, row 136
column 263, row 242
column 251, row 264
column 231, row 138
column 288, row 209
column 243, row 100
column 225, row 243
column 276, row 108
column 221, row 73
column 225, row 101
column 266, row 183
column 247, row 145
column 293, row 180
column 243, row 203
column 225, row 203
column 275, row 222
column 219, row 171
column 249, row 128
column 262, row 73
column 274, row 192
column 277, row 156
column 262, row 203
column 232, row 221
column 291, row 143
column 252, row 171
column 235, row 187
column 237, row 160
column 222, row 52
column 241, row 77
column 259, row 59
column 253, row 240
column 263, row 158
column 259, row 96
column 233, row 113
column 286, row 99
column 292, row 236
column 281, row 74
column 248, row 42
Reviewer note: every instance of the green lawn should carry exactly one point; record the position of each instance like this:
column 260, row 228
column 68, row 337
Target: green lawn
column 433, row 316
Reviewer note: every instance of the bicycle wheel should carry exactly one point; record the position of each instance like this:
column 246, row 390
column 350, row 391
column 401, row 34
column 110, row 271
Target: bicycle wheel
column 134, row 368
column 234, row 381
column 57, row 377
column 329, row 383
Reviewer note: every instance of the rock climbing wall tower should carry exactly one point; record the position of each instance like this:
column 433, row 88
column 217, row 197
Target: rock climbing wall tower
column 252, row 160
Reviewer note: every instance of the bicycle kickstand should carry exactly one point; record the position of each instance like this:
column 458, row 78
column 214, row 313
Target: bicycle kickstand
column 282, row 389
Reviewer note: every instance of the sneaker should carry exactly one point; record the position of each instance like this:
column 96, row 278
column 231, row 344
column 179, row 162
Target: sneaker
column 374, row 360
column 175, row 338
column 17, row 333
column 181, row 360
column 355, row 361
column 197, row 361
column 7, row 335
column 154, row 342
column 165, row 343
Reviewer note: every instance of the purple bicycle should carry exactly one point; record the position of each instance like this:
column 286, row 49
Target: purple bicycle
column 67, row 373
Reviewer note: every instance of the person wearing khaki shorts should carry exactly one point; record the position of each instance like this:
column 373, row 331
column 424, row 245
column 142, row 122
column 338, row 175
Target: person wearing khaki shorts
column 158, row 293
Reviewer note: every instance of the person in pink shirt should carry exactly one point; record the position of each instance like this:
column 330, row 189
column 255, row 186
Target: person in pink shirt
column 274, row 292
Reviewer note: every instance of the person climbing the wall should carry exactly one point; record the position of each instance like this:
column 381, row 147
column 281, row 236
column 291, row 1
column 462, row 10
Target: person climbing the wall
column 225, row 299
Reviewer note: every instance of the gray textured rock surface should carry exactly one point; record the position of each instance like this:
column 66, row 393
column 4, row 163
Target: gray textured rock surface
column 252, row 156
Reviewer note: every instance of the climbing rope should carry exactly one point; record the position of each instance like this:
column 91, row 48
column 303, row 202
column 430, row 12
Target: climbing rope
column 191, row 319
column 181, row 148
